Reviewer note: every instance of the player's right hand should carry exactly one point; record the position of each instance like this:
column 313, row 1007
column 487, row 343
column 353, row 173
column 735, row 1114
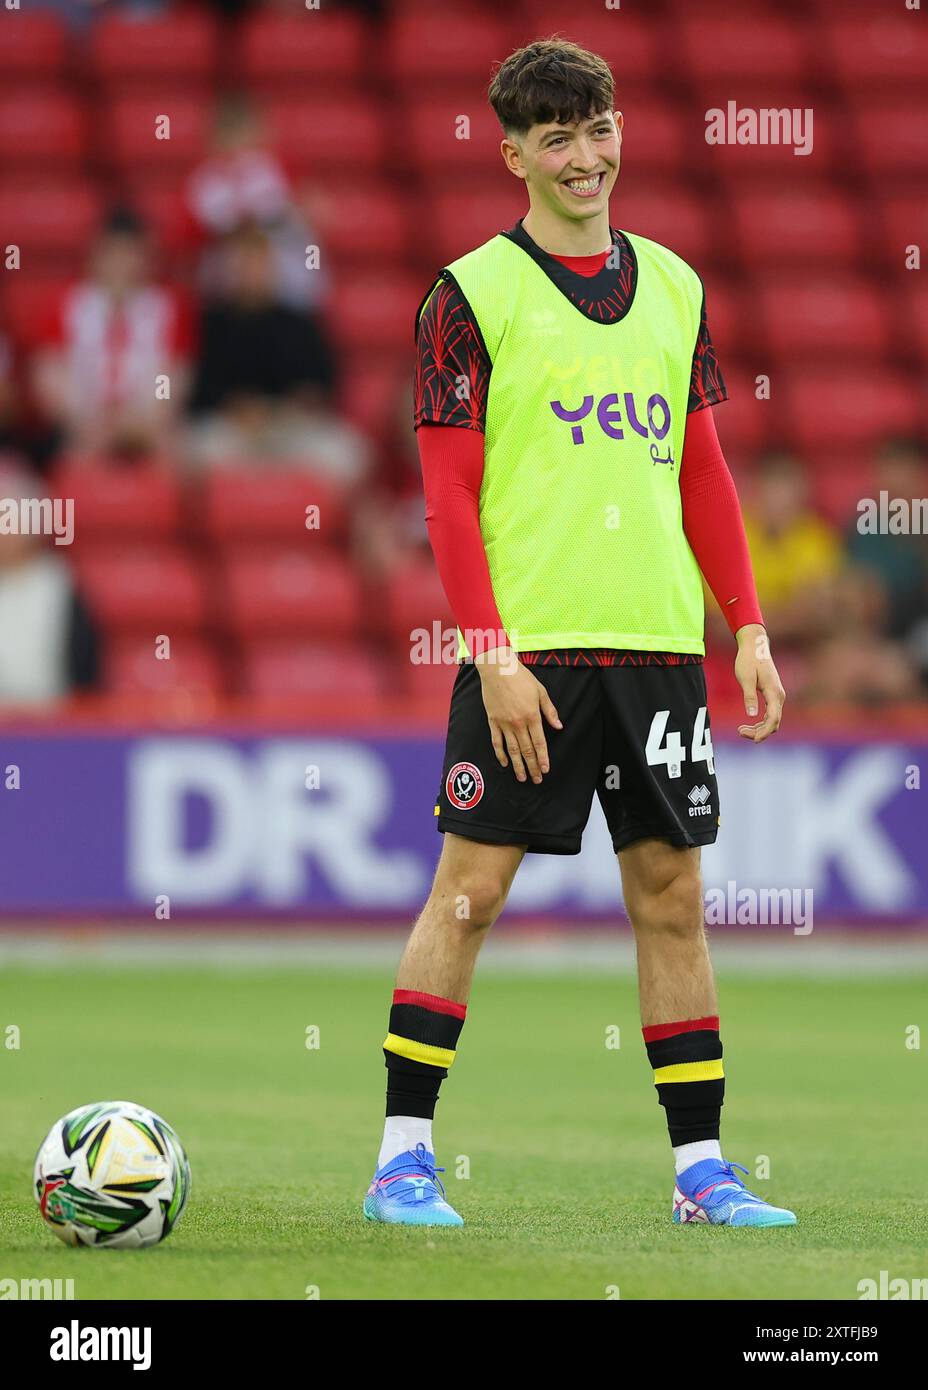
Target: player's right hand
column 515, row 702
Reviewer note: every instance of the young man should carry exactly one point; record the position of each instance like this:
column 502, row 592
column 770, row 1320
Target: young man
column 574, row 490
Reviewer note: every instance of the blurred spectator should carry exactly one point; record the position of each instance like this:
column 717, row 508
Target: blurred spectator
column 900, row 560
column 857, row 663
column 243, row 181
column 797, row 556
column 110, row 340
column 265, row 377
column 48, row 641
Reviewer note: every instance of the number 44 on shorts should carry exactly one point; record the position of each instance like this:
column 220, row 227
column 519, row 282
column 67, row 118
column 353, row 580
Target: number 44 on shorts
column 667, row 748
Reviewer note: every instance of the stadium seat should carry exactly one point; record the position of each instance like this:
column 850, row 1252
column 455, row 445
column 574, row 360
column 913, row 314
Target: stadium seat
column 27, row 303
column 308, row 49
column 269, row 590
column 315, row 134
column 901, row 214
column 270, row 504
column 376, row 311
column 129, row 125
column 41, row 126
column 347, row 671
column 838, row 484
column 730, row 315
column 816, row 314
column 441, row 144
column 115, row 504
column 744, row 423
column 375, row 392
column 132, row 667
column 143, row 587
column 773, row 154
column 462, row 216
column 429, row 47
column 916, row 312
column 172, row 50
column 413, row 598
column 32, row 218
column 34, row 45
column 356, row 218
column 669, row 212
column 798, row 224
column 890, row 140
column 737, row 45
column 877, row 46
column 831, row 408
column 626, row 40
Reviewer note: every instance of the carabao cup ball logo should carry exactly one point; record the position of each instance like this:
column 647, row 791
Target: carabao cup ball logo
column 464, row 786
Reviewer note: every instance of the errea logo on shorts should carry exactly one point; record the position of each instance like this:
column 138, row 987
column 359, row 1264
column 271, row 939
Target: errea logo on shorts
column 464, row 786
column 699, row 797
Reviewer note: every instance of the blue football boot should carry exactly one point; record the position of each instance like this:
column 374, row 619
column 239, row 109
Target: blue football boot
column 710, row 1191
column 408, row 1192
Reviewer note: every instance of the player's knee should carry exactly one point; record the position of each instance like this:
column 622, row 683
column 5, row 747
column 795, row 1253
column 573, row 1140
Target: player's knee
column 672, row 905
column 477, row 902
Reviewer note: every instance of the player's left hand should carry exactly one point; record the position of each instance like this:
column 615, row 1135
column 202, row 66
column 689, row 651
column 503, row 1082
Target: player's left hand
column 756, row 673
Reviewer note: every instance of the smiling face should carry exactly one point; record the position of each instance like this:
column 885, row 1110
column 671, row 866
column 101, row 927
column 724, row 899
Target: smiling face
column 569, row 168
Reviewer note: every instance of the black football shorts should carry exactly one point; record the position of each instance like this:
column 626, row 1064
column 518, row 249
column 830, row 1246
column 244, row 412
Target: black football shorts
column 636, row 735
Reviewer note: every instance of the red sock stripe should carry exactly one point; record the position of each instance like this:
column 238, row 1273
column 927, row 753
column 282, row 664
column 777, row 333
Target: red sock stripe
column 689, row 1025
column 429, row 1001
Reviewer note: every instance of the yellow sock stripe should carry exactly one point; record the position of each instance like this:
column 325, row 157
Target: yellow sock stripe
column 419, row 1052
column 690, row 1071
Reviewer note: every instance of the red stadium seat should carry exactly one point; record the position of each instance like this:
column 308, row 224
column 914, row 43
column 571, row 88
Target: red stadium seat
column 135, row 587
column 890, row 140
column 424, row 683
column 118, row 503
column 33, row 217
column 628, row 42
column 670, row 213
column 744, row 423
column 129, row 131
column 838, row 484
column 34, row 45
column 831, row 408
column 355, row 216
column 414, row 599
column 877, row 46
column 376, row 393
column 377, row 311
column 741, row 46
column 660, row 137
column 461, row 217
column 917, row 314
column 28, row 303
column 442, row 144
column 173, row 50
column 730, row 316
column 318, row 133
column 41, row 126
column 270, row 590
column 270, row 504
column 902, row 219
column 308, row 49
column 798, row 225
column 819, row 315
column 431, row 47
column 132, row 667
column 347, row 671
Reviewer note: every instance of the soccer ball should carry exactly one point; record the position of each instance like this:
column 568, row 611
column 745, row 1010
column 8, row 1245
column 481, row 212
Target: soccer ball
column 111, row 1174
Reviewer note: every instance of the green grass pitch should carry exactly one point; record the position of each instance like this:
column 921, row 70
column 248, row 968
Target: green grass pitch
column 569, row 1186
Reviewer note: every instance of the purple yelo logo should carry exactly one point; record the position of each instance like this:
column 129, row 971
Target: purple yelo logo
column 612, row 421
